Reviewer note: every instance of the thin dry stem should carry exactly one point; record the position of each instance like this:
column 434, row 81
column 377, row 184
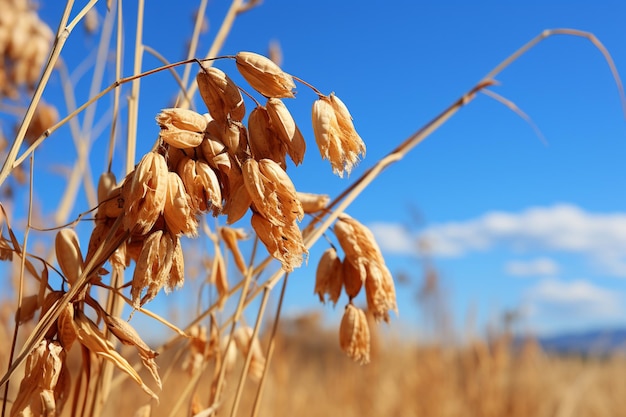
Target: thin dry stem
column 133, row 99
column 270, row 350
column 244, row 371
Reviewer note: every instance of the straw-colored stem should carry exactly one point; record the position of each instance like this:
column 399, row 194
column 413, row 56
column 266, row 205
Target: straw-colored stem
column 133, row 99
column 37, row 142
column 270, row 350
column 255, row 333
column 61, row 37
column 20, row 286
column 109, row 245
column 118, row 75
column 234, row 320
column 218, row 42
column 157, row 55
column 193, row 47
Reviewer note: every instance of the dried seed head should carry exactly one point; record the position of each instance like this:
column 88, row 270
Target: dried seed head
column 263, row 140
column 329, row 276
column 153, row 267
column 265, row 76
column 335, row 135
column 219, row 278
column 65, row 327
column 106, row 184
column 45, row 117
column 177, row 273
column 363, row 253
column 312, row 203
column 231, row 236
column 145, row 199
column 68, row 253
column 178, row 213
column 235, row 138
column 126, row 334
column 237, row 198
column 352, row 279
column 354, row 335
column 247, row 344
column 229, row 353
column 92, row 339
column 380, row 291
column 285, row 128
column 283, row 243
column 39, row 394
column 220, row 94
column 91, row 21
column 216, row 154
column 197, row 352
column 272, row 191
column 181, row 128
column 202, row 185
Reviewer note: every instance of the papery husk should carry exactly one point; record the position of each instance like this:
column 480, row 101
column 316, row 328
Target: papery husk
column 264, row 75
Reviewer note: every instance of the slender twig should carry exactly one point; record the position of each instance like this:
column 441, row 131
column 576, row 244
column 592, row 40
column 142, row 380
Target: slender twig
column 20, row 287
column 270, row 350
column 62, row 35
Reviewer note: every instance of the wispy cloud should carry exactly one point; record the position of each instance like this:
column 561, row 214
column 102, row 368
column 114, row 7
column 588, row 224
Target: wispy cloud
column 575, row 299
column 394, row 238
column 560, row 228
column 534, row 267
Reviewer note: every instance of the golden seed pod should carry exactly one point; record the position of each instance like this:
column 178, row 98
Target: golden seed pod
column 238, row 199
column 220, row 94
column 153, row 267
column 231, row 236
column 283, row 124
column 283, row 243
column 335, row 134
column 329, row 276
column 247, row 344
column 66, row 333
column 263, row 141
column 265, row 76
column 272, row 191
column 181, row 128
column 312, row 203
column 69, row 256
column 176, row 277
column 352, row 278
column 42, row 390
column 202, row 185
column 216, row 154
column 145, row 199
column 354, row 335
column 126, row 334
column 106, row 184
column 357, row 241
column 363, row 253
column 235, row 137
column 380, row 292
column 178, row 213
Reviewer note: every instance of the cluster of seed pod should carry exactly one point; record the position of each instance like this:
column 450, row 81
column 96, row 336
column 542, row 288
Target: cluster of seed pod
column 214, row 163
column 24, row 45
column 362, row 266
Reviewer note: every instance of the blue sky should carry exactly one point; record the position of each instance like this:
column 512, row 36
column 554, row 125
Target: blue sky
column 513, row 223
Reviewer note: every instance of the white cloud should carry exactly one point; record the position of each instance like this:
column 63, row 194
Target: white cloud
column 534, row 267
column 394, row 238
column 560, row 228
column 575, row 299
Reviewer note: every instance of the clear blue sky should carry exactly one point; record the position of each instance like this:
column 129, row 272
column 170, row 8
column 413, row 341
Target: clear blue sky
column 514, row 223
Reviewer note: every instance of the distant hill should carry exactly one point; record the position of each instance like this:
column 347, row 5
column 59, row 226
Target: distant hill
column 594, row 342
